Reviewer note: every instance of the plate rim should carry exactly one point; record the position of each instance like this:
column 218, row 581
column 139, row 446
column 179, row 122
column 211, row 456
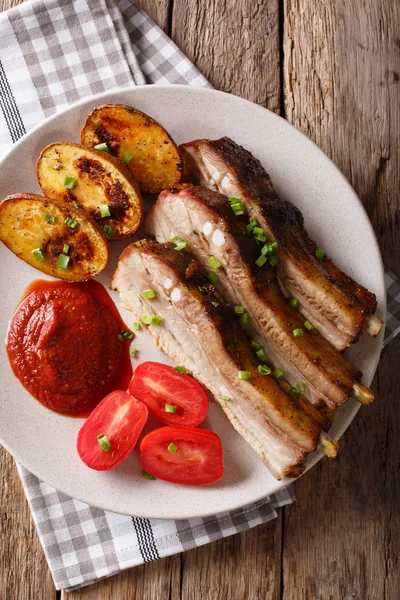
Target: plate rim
column 151, row 88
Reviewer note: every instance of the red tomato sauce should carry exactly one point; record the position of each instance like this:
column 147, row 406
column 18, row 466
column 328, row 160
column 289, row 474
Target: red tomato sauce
column 63, row 345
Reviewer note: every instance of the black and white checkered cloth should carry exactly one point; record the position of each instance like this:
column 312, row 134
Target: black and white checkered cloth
column 53, row 53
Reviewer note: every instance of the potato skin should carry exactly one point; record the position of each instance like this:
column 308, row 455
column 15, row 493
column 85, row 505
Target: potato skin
column 100, row 179
column 156, row 162
column 23, row 228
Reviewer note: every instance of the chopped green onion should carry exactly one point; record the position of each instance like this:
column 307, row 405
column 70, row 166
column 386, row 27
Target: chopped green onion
column 76, row 204
column 109, row 231
column 260, row 238
column 265, row 249
column 69, row 182
column 244, row 320
column 63, row 261
column 245, row 375
column 180, row 244
column 71, row 222
column 137, row 326
column 273, row 261
column 214, row 263
column 294, row 302
column 49, row 218
column 179, row 369
column 261, row 260
column 170, row 408
column 277, row 374
column 308, row 325
column 127, row 158
column 104, row 210
column 202, row 289
column 226, row 398
column 319, row 253
column 103, row 147
column 299, row 389
column 104, row 442
column 123, row 334
column 239, row 310
column 172, row 448
column 258, row 231
column 133, row 352
column 148, row 476
column 38, row 254
column 213, row 277
column 236, row 206
column 152, row 320
column 261, row 354
column 297, row 332
column 264, row 370
column 214, row 303
column 65, row 249
column 149, row 294
column 255, row 345
column 252, row 223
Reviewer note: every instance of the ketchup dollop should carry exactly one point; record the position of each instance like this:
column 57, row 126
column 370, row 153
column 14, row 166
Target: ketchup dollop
column 63, row 345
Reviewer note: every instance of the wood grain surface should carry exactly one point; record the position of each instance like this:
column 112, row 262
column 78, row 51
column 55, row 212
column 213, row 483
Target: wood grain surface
column 333, row 70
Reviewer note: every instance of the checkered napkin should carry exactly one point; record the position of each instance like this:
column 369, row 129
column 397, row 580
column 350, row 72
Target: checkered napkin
column 53, row 53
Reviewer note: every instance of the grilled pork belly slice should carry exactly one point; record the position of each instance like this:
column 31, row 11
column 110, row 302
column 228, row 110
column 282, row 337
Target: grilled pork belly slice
column 200, row 332
column 336, row 304
column 206, row 222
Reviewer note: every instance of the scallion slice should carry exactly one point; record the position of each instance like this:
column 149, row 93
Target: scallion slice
column 38, row 255
column 299, row 389
column 261, row 354
column 264, row 369
column 180, row 244
column 148, row 294
column 172, row 448
column 244, row 320
column 109, row 231
column 213, row 277
column 245, row 375
column 239, row 310
column 104, row 442
column 63, row 261
column 180, row 369
column 308, row 325
column 297, row 332
column 71, row 222
column 214, row 263
column 127, row 158
column 226, row 398
column 214, row 303
column 49, row 218
column 236, row 206
column 319, row 253
column 123, row 334
column 258, row 231
column 137, row 326
column 152, row 320
column 76, row 204
column 252, row 223
column 273, row 261
column 277, row 374
column 261, row 260
column 170, row 408
column 294, row 302
column 65, row 248
column 255, row 345
column 148, row 476
column 261, row 238
column 103, row 147
column 104, row 210
column 69, row 182
column 133, row 352
column 202, row 290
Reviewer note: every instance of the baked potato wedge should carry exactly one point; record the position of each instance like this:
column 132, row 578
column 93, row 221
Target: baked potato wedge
column 54, row 237
column 139, row 141
column 97, row 182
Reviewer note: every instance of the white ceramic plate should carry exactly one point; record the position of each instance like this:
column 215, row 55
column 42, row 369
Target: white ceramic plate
column 43, row 441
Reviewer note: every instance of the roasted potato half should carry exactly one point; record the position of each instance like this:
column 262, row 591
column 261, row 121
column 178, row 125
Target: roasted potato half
column 136, row 139
column 96, row 182
column 54, row 237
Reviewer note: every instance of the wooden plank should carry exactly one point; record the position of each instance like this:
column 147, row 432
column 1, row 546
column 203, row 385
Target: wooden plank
column 341, row 539
column 235, row 45
column 159, row 11
column 24, row 574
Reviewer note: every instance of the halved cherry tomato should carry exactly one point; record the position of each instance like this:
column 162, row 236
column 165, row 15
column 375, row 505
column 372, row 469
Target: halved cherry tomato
column 182, row 455
column 173, row 398
column 111, row 431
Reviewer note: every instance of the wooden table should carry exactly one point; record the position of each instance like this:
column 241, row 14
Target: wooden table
column 332, row 69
